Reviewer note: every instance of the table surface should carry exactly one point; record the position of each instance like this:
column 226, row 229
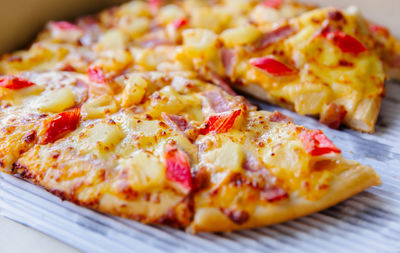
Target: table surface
column 15, row 237
column 383, row 12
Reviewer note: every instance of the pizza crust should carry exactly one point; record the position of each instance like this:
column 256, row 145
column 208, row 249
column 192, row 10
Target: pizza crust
column 347, row 184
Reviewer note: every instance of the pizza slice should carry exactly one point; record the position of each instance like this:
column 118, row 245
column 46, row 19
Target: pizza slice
column 322, row 63
column 268, row 170
column 185, row 153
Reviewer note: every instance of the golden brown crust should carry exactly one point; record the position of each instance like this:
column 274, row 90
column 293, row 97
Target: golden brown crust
column 95, row 184
column 347, row 184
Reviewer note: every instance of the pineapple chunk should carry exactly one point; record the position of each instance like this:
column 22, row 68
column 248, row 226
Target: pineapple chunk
column 286, row 159
column 141, row 134
column 199, row 43
column 215, row 20
column 144, row 170
column 238, row 5
column 98, row 107
column 149, row 59
column 184, row 144
column 166, row 100
column 134, row 91
column 134, row 9
column 229, row 157
column 100, row 137
column 56, row 100
column 148, row 128
column 310, row 98
column 112, row 39
column 240, row 35
column 265, row 15
column 134, row 28
column 169, row 13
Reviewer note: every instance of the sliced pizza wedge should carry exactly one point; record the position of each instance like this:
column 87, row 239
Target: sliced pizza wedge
column 322, row 63
column 184, row 153
column 266, row 170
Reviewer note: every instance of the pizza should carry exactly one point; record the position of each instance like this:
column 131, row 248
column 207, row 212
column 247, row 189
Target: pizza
column 166, row 148
column 131, row 112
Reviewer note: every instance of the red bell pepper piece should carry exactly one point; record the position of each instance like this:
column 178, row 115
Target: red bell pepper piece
column 346, row 43
column 178, row 167
column 14, row 82
column 57, row 126
column 272, row 66
column 316, row 143
column 96, row 74
column 64, row 25
column 155, row 4
column 180, row 22
column 273, row 3
column 220, row 123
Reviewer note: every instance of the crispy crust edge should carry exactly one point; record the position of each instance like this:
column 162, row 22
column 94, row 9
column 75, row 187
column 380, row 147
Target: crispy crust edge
column 345, row 185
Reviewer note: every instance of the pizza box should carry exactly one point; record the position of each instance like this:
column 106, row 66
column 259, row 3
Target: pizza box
column 367, row 222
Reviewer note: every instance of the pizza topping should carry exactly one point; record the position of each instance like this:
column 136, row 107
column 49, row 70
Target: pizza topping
column 336, row 15
column 346, row 43
column 14, row 82
column 220, row 123
column 57, row 126
column 221, row 83
column 96, row 74
column 68, row 68
column 276, row 116
column 217, row 101
column 65, row 31
column 201, row 179
column 273, row 194
column 333, row 115
column 155, row 4
column 64, row 25
column 237, row 216
column 316, row 143
column 262, row 179
column 228, row 57
column 176, row 122
column 374, row 28
column 274, row 36
column 154, row 42
column 29, row 137
column 273, row 3
column 272, row 66
column 179, row 23
column 178, row 167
